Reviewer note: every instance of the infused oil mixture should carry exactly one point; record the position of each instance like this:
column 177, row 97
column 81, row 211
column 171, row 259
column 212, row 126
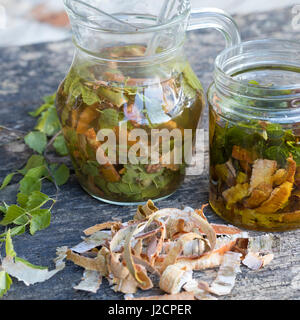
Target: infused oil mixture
column 255, row 164
column 105, row 96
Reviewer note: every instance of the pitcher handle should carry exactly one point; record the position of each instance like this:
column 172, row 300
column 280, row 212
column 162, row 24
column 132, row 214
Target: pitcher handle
column 217, row 19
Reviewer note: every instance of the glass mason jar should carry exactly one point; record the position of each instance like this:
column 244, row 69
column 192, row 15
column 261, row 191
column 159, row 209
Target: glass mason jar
column 129, row 72
column 254, row 108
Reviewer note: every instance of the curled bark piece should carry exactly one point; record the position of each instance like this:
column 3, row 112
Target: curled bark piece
column 261, row 183
column 226, row 173
column 235, row 194
column 92, row 242
column 277, row 199
column 86, row 117
column 199, row 289
column 225, row 230
column 186, row 221
column 195, row 248
column 173, row 254
column 96, row 264
column 173, row 278
column 127, row 285
column 143, row 211
column 252, row 261
column 279, row 177
column 116, row 98
column 262, row 172
column 201, row 211
column 267, row 258
column 157, row 244
column 147, row 265
column 225, row 280
column 146, row 282
column 90, row 281
column 128, row 255
column 291, row 170
column 125, row 236
column 101, row 226
column 92, row 138
column 239, row 153
column 110, row 173
column 287, row 174
column 208, row 260
column 117, row 268
column 138, row 247
column 260, row 194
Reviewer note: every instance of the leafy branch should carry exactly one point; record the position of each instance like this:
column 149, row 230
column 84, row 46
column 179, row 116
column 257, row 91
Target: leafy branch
column 33, row 208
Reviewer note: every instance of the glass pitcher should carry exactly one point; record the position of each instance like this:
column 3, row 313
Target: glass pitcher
column 130, row 104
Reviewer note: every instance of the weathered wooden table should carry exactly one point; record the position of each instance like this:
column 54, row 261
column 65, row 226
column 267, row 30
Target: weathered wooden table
column 26, row 75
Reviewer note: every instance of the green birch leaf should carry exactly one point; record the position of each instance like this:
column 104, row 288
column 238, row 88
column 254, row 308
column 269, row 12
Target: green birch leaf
column 48, row 122
column 50, row 98
column 89, row 97
column 22, row 199
column 21, row 221
column 40, row 220
column 37, row 172
column 116, row 98
column 61, row 174
column 125, row 188
column 14, row 231
column 49, row 101
column 36, row 141
column 34, row 161
column 296, row 154
column 7, row 180
column 12, row 213
column 39, row 110
column 101, row 183
column 91, row 168
column 5, row 282
column 60, row 146
column 279, row 154
column 113, row 187
column 30, row 184
column 37, row 199
column 68, row 81
column 131, row 174
column 9, row 247
column 109, row 119
column 75, row 88
column 274, row 131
